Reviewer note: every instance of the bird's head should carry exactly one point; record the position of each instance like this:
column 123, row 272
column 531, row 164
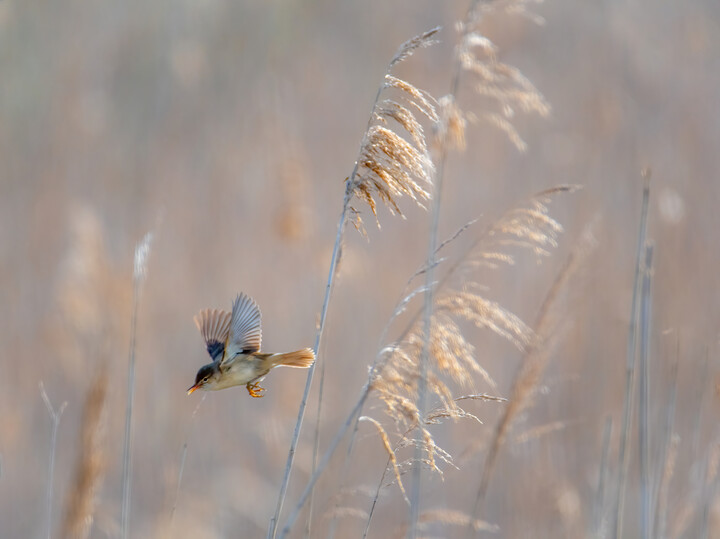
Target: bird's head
column 206, row 378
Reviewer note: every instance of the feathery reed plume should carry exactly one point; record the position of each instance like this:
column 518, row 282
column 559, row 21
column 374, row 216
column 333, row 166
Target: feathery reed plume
column 80, row 506
column 422, row 379
column 395, row 381
column 448, row 517
column 408, row 48
column 293, row 218
column 628, row 404
column 142, row 252
column 388, row 166
column 434, row 417
column 508, row 87
column 346, row 512
column 88, row 282
column 339, row 507
column 55, row 417
column 525, row 226
column 546, row 333
column 451, row 354
column 505, row 87
column 540, row 431
column 391, row 454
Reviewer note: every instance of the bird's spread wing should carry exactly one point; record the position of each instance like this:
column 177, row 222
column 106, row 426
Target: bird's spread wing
column 214, row 325
column 245, row 334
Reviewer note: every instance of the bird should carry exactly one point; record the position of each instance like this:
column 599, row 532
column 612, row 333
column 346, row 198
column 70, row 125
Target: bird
column 233, row 341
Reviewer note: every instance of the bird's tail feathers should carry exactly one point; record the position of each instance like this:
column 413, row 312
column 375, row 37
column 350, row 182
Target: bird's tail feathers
column 301, row 359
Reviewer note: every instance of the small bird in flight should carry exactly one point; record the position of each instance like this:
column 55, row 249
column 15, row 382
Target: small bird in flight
column 233, row 342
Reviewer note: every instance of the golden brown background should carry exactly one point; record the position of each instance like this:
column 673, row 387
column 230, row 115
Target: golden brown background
column 227, row 128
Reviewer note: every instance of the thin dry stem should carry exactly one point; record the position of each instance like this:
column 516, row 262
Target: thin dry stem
column 630, row 373
column 142, row 252
column 55, row 417
column 389, row 450
column 534, row 361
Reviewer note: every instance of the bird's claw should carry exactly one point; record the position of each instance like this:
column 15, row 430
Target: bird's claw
column 255, row 390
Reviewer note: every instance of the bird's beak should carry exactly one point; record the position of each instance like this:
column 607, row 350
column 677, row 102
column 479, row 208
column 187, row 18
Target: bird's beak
column 192, row 389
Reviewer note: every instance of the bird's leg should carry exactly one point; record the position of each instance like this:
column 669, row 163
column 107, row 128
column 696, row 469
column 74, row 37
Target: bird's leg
column 255, row 390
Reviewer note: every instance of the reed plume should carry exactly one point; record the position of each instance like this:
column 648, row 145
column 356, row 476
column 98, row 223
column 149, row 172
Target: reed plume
column 90, row 467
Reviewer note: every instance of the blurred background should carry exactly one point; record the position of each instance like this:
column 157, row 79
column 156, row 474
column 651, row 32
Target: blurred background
column 227, row 129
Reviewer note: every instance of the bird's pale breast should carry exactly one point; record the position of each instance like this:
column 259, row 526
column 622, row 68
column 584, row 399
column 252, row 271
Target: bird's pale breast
column 241, row 370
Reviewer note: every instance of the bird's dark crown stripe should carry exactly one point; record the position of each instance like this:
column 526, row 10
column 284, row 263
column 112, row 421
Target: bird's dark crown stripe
column 215, row 349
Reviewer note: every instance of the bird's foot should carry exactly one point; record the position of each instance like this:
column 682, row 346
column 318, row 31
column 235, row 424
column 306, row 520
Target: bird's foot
column 255, row 390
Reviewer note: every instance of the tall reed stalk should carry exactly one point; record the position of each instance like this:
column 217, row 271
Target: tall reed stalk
column 142, row 251
column 630, row 372
column 646, row 493
column 431, row 263
column 55, row 418
column 387, row 167
column 272, row 529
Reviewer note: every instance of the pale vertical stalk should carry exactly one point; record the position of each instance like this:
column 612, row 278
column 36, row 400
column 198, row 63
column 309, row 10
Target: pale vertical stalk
column 316, row 448
column 181, row 468
column 667, row 460
column 179, row 482
column 351, row 419
column 644, row 411
column 272, row 530
column 600, row 524
column 428, row 311
column 349, row 185
column 623, row 455
column 55, row 417
column 127, row 462
column 425, row 356
column 140, row 267
column 326, row 459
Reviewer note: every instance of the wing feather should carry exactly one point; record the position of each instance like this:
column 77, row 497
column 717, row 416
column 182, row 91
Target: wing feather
column 214, row 326
column 245, row 331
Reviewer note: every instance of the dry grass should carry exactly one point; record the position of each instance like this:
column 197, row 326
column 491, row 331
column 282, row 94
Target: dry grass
column 81, row 501
column 453, row 358
column 390, row 166
column 546, row 332
column 505, row 87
